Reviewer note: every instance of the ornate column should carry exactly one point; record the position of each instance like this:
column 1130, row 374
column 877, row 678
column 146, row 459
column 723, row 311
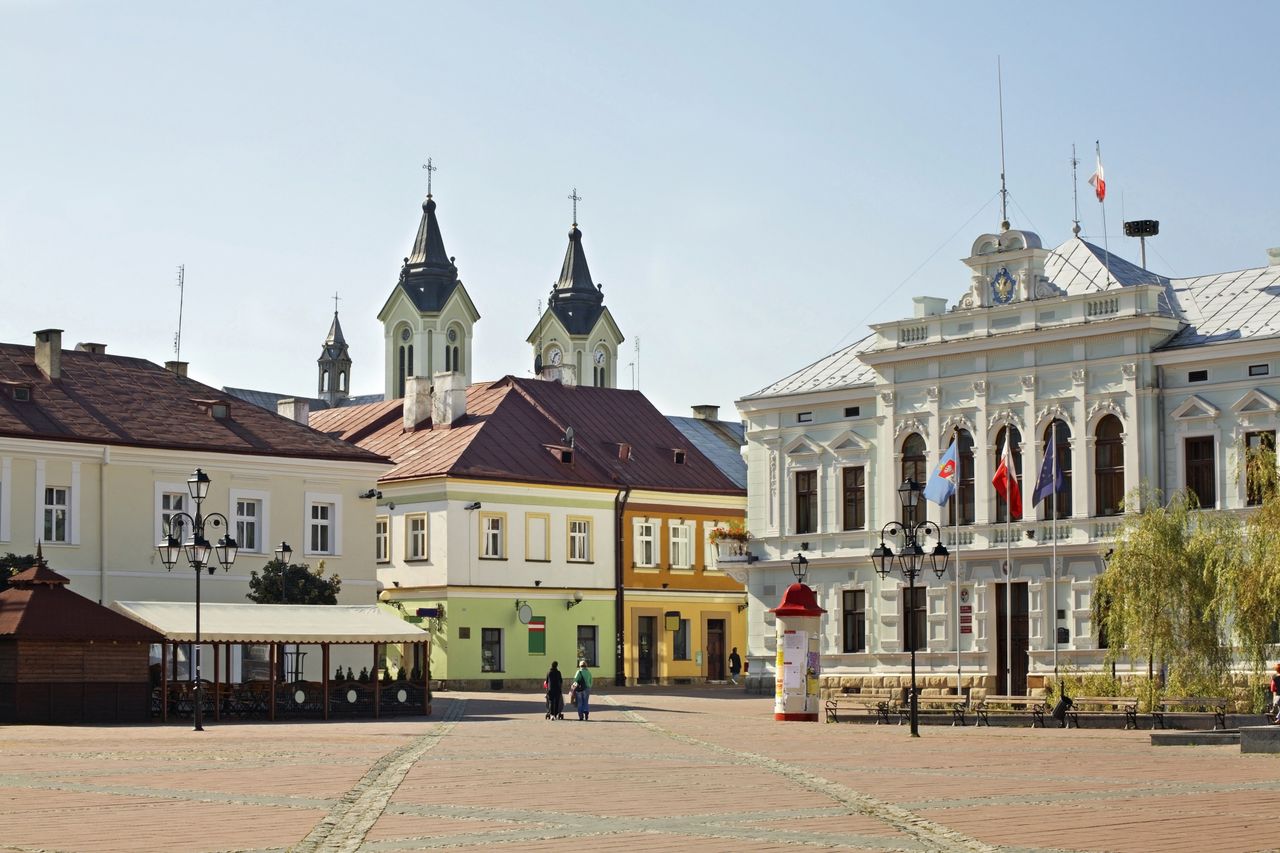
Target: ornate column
column 1081, row 447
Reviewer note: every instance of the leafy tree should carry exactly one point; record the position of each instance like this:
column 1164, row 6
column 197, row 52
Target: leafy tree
column 1161, row 588
column 295, row 583
column 11, row 564
column 1250, row 586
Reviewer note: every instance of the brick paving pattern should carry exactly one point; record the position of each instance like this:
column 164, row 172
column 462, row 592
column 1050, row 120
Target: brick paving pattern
column 658, row 770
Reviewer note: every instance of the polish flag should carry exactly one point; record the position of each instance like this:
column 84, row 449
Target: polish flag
column 1098, row 181
column 1006, row 481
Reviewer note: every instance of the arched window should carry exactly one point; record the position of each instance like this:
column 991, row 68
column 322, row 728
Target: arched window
column 913, row 468
column 342, row 381
column 400, row 373
column 964, row 497
column 1015, row 450
column 457, row 361
column 1059, row 506
column 1108, row 465
column 409, row 367
column 448, row 358
column 324, row 381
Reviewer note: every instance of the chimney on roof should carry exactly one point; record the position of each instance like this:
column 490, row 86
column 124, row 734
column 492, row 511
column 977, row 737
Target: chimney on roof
column 706, row 412
column 49, row 352
column 448, row 399
column 176, row 367
column 294, row 409
column 417, row 402
column 929, row 306
column 96, row 349
column 1273, row 256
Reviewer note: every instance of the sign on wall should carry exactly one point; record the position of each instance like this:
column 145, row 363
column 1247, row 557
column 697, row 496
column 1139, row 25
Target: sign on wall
column 538, row 635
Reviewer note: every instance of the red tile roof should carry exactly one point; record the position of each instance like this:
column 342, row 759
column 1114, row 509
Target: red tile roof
column 111, row 399
column 512, row 427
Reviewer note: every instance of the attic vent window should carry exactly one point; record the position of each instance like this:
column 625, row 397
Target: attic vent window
column 624, row 452
column 22, row 395
column 1259, row 369
column 679, row 457
column 1198, row 376
column 804, row 417
column 561, row 453
column 566, row 456
column 221, row 411
column 852, row 411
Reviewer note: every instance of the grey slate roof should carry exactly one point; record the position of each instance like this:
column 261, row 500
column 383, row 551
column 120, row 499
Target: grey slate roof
column 1228, row 306
column 841, row 369
column 719, row 441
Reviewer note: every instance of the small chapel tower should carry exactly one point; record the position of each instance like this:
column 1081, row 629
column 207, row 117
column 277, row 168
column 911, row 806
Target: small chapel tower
column 576, row 340
column 427, row 321
column 334, row 379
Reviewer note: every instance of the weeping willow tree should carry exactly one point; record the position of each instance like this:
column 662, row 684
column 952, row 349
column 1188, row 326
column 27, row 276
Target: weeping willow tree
column 1159, row 598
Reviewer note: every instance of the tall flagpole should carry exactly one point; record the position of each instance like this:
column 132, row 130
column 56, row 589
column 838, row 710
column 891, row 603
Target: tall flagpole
column 1053, row 448
column 955, row 508
column 1008, row 568
column 1106, row 241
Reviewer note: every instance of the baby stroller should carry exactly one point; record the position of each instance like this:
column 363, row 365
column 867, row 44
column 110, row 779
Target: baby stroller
column 555, row 706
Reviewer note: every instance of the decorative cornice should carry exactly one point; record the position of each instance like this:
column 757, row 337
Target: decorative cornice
column 1129, row 370
column 980, row 387
column 912, row 425
column 1056, row 412
column 1005, row 417
column 1105, row 407
column 887, row 397
column 956, row 421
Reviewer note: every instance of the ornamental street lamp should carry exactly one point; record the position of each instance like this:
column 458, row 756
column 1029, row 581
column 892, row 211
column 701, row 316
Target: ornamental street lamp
column 800, row 568
column 284, row 555
column 911, row 559
column 197, row 549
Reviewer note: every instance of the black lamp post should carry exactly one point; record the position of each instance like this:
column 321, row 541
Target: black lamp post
column 800, row 568
column 912, row 560
column 197, row 549
column 284, row 555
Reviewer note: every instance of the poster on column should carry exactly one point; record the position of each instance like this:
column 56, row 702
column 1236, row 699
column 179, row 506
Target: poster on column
column 795, row 647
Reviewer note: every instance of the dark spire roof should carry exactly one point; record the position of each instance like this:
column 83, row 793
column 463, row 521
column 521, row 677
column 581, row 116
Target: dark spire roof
column 335, row 337
column 429, row 276
column 575, row 299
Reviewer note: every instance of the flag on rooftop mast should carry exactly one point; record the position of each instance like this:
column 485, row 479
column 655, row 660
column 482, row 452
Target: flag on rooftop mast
column 1097, row 180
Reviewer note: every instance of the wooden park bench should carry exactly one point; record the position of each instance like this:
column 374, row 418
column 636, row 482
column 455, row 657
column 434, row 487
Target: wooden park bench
column 1103, row 706
column 881, row 702
column 942, row 703
column 1030, row 705
column 1187, row 705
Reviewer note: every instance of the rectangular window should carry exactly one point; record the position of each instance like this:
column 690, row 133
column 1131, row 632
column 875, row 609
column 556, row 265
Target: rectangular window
column 1259, row 369
column 1260, row 455
column 537, row 537
column 852, row 411
column 855, row 498
column 579, row 540
column 680, row 641
column 491, row 650
column 681, row 546
column 321, row 537
column 855, row 620
column 493, row 545
column 415, row 545
column 248, row 517
column 587, row 644
column 806, row 501
column 646, row 544
column 170, row 504
column 1200, row 470
column 914, row 619
column 1198, row 376
column 804, row 418
column 56, row 528
column 382, row 539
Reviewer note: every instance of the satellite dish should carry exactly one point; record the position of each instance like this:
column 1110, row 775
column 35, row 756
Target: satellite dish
column 524, row 614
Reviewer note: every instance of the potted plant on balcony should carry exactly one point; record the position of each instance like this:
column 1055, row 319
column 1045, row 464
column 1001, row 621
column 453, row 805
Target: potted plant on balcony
column 731, row 541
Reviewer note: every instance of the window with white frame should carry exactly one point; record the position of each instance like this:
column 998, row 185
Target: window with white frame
column 493, row 545
column 681, row 546
column 415, row 545
column 580, row 540
column 646, row 544
column 249, row 524
column 171, row 503
column 57, row 514
column 537, row 537
column 382, row 539
column 321, row 528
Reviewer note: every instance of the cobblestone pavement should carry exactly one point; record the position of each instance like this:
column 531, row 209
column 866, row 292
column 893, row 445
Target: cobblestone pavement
column 656, row 770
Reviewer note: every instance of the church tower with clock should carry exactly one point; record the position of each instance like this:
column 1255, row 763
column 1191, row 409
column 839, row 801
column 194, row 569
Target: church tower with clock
column 428, row 319
column 576, row 340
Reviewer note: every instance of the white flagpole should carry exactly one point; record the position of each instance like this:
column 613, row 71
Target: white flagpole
column 1053, row 502
column 1008, row 569
column 955, row 506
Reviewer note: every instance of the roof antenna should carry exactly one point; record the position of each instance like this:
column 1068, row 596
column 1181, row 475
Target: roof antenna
column 636, row 374
column 1075, row 195
column 177, row 337
column 430, row 168
column 1004, row 192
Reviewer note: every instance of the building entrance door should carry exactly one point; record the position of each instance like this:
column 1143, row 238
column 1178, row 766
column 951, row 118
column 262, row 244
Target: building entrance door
column 715, row 650
column 645, row 640
column 1021, row 638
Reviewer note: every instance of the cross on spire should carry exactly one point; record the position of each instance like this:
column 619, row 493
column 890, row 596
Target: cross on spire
column 335, row 302
column 430, row 168
column 575, row 198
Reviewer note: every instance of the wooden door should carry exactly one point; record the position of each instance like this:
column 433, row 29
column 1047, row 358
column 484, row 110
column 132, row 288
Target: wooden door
column 1021, row 625
column 646, row 644
column 715, row 650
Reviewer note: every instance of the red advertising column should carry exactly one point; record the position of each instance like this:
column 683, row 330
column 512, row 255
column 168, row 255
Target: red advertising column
column 798, row 625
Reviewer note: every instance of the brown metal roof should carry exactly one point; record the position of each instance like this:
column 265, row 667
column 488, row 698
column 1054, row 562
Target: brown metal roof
column 39, row 606
column 513, row 430
column 111, row 399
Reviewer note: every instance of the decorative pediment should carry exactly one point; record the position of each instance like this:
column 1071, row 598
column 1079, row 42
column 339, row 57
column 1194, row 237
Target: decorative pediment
column 1054, row 412
column 911, row 425
column 801, row 446
column 1102, row 408
column 1005, row 418
column 847, row 443
column 1256, row 403
column 1193, row 408
column 956, row 422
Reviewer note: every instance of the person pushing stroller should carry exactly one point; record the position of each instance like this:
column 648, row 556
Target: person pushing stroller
column 554, row 684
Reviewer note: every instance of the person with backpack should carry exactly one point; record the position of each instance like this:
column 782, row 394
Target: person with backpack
column 582, row 690
column 735, row 665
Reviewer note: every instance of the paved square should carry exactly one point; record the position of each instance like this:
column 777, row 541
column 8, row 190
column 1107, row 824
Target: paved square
column 651, row 770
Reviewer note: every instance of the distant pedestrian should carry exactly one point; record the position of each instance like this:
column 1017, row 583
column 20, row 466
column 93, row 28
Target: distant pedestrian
column 555, row 692
column 1275, row 695
column 735, row 665
column 582, row 688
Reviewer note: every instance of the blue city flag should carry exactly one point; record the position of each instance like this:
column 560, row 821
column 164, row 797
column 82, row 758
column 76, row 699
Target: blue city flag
column 1051, row 480
column 942, row 485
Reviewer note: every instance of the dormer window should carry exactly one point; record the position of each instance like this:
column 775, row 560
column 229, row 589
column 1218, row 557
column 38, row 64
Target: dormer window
column 218, row 409
column 562, row 454
column 21, row 394
column 678, row 456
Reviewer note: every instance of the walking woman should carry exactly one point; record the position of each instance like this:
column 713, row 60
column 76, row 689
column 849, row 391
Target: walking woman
column 555, row 692
column 582, row 681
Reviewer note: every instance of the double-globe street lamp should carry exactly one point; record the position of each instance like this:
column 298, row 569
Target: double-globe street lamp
column 197, row 549
column 911, row 559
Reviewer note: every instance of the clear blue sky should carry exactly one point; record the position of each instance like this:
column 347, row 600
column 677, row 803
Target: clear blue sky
column 757, row 177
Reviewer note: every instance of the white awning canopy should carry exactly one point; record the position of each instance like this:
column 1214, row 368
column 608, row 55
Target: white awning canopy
column 273, row 623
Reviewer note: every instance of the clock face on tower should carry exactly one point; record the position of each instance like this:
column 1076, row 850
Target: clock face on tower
column 599, row 356
column 555, row 356
column 1002, row 286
